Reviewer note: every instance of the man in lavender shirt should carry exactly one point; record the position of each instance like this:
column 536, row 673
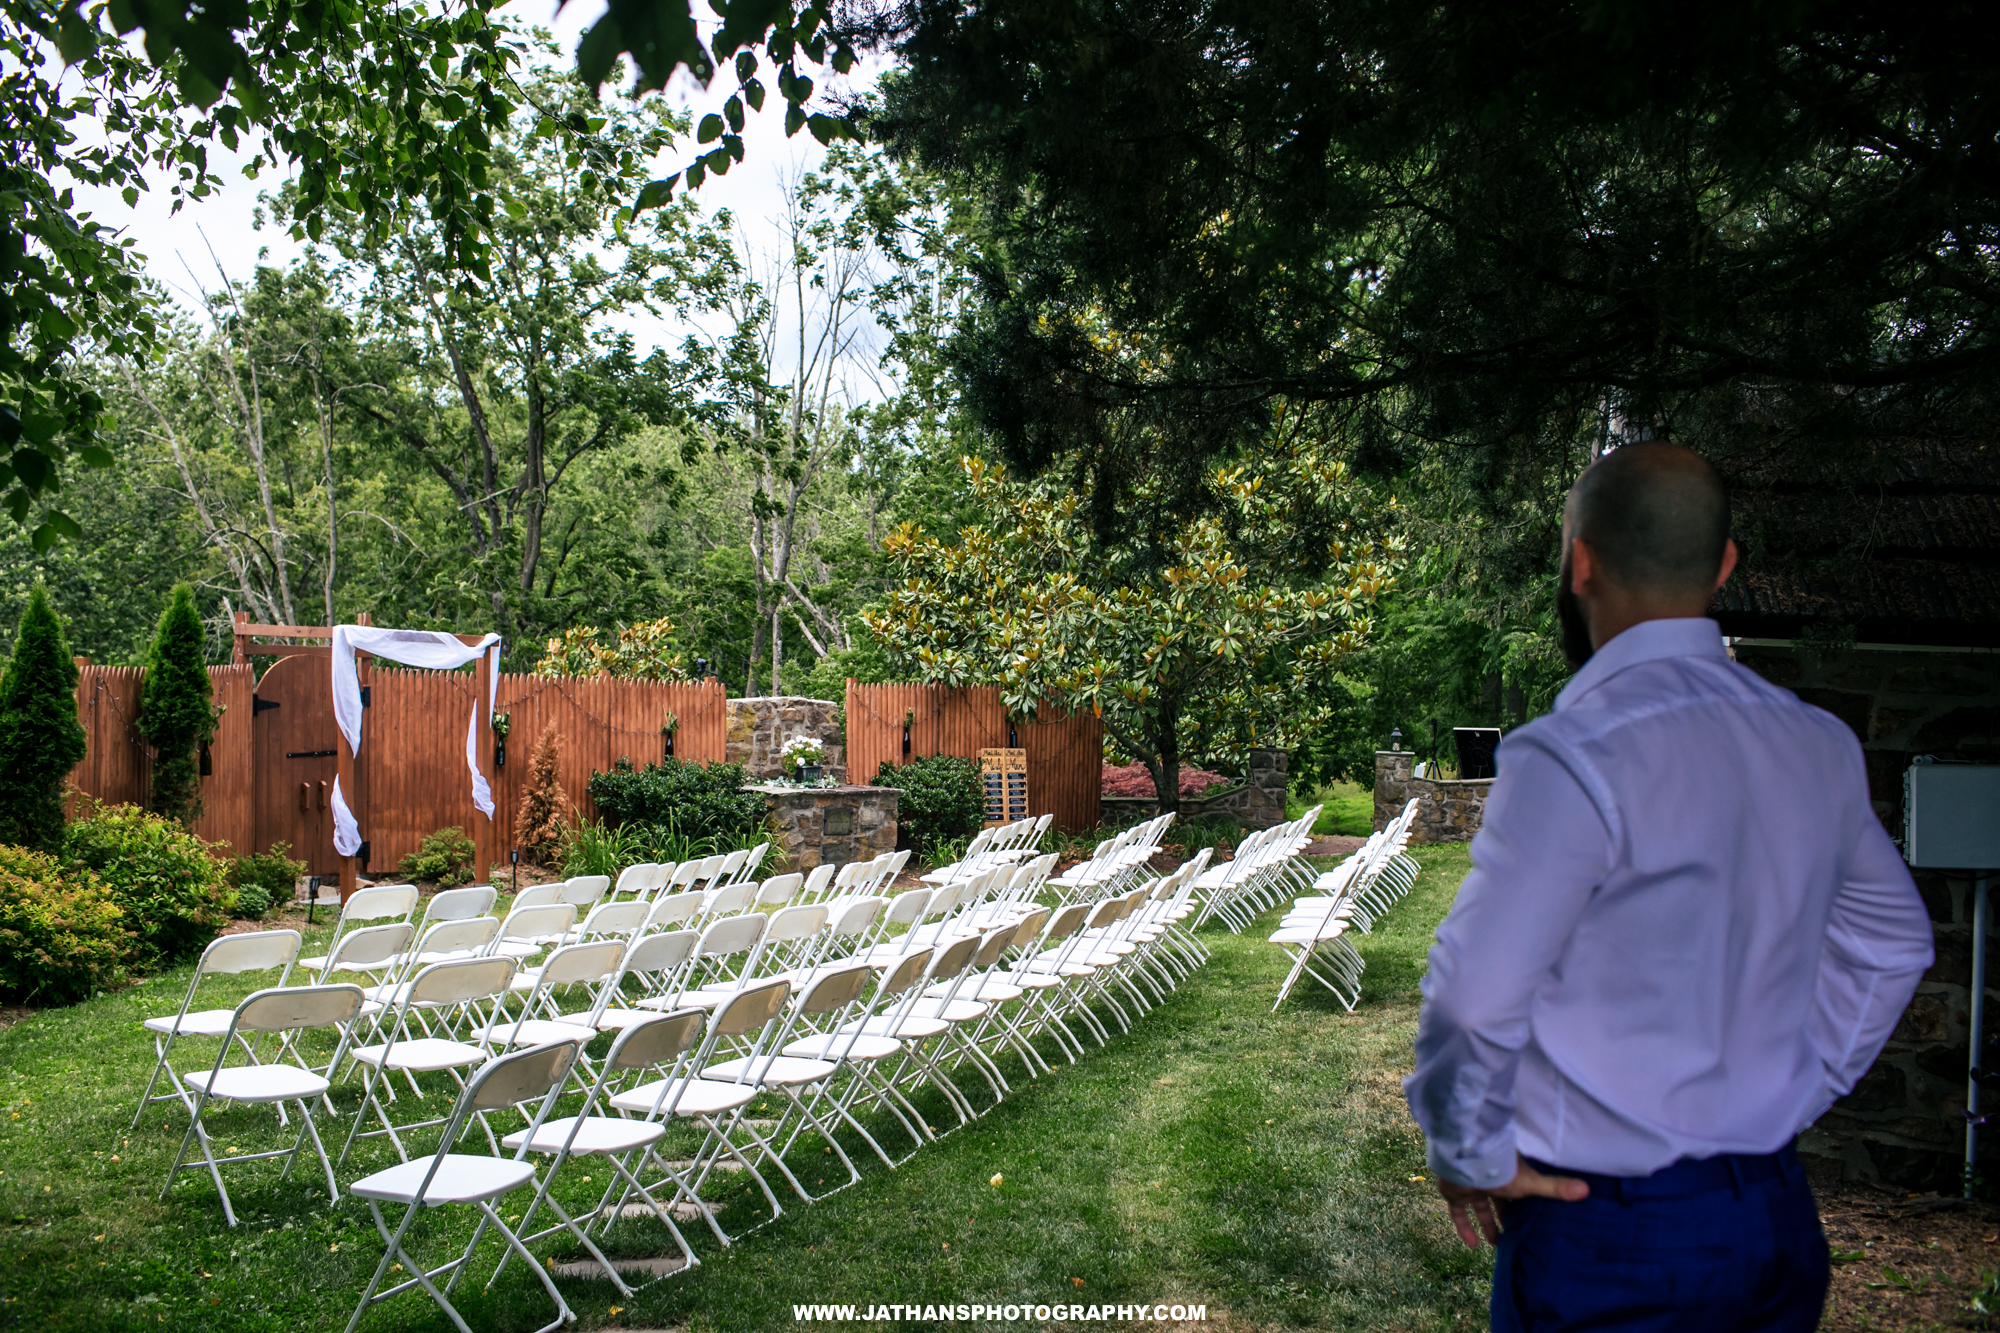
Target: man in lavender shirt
column 1684, row 935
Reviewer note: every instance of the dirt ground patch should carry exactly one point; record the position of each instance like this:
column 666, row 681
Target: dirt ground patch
column 1903, row 1262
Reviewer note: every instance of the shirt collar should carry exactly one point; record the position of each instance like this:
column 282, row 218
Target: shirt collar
column 1647, row 641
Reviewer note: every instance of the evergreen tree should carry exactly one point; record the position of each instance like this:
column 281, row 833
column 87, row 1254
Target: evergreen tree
column 175, row 715
column 544, row 812
column 40, row 738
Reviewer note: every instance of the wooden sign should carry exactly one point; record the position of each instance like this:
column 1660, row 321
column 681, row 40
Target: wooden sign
column 1005, row 775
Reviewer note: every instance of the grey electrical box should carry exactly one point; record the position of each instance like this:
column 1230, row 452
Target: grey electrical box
column 1951, row 816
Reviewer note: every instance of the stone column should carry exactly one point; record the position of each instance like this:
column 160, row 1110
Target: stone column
column 1392, row 782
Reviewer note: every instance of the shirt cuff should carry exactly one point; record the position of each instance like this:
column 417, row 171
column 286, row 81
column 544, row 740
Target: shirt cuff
column 1473, row 1172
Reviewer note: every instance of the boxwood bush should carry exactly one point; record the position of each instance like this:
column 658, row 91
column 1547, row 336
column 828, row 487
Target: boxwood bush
column 62, row 935
column 174, row 893
column 696, row 800
column 942, row 800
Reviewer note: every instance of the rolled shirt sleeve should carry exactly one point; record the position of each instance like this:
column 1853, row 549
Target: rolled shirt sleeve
column 1544, row 847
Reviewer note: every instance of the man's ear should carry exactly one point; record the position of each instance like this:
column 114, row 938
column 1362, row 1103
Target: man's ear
column 1582, row 566
column 1729, row 554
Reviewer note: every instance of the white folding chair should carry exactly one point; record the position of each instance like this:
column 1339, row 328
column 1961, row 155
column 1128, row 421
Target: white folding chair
column 447, row 1177
column 285, row 1013
column 230, row 955
column 378, row 902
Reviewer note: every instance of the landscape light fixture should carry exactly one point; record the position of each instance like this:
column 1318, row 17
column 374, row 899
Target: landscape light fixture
column 1395, row 739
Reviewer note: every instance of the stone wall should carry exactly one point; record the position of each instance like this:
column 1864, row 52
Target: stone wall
column 760, row 727
column 1901, row 1124
column 833, row 825
column 1447, row 810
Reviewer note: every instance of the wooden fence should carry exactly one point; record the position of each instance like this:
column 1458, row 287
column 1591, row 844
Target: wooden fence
column 412, row 761
column 1065, row 754
column 117, row 765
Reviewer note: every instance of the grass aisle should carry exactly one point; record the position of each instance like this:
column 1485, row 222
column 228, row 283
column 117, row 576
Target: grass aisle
column 1259, row 1164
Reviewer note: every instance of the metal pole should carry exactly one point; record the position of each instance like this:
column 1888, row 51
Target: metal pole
column 1978, row 1027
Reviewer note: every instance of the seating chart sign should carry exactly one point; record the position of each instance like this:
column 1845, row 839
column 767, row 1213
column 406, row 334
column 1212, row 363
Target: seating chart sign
column 1005, row 775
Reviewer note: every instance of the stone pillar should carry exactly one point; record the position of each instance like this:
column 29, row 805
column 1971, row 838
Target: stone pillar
column 1266, row 781
column 833, row 825
column 1392, row 782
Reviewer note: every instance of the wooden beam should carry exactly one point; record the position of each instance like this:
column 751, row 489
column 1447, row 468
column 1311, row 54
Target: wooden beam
column 484, row 829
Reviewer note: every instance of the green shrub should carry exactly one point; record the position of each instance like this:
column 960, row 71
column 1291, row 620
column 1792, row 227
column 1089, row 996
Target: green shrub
column 175, row 715
column 695, row 800
column 40, row 738
column 175, row 894
column 942, row 800
column 62, row 936
column 445, row 857
column 592, row 847
column 263, row 881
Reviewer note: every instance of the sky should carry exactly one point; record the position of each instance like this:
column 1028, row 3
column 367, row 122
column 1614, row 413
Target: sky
column 182, row 250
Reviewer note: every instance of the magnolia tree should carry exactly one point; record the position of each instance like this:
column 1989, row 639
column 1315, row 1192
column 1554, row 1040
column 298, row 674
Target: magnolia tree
column 1198, row 642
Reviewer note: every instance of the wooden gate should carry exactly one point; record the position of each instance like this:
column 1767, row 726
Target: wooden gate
column 294, row 738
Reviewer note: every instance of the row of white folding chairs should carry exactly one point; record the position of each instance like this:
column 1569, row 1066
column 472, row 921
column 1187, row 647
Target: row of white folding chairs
column 1115, row 863
column 1000, row 844
column 708, row 873
column 1350, row 897
column 1265, row 865
column 1086, row 944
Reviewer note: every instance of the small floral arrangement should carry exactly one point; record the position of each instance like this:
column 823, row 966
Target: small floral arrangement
column 801, row 750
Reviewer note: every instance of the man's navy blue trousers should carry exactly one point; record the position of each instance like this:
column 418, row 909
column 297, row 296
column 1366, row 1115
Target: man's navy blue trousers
column 1710, row 1246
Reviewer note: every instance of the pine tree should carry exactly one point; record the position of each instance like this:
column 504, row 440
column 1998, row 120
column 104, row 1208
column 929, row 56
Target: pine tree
column 544, row 813
column 175, row 714
column 40, row 738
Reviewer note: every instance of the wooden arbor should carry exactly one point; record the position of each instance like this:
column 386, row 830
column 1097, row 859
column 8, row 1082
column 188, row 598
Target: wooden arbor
column 300, row 751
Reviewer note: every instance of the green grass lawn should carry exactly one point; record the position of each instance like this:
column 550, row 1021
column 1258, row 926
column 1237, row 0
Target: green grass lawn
column 1349, row 810
column 1219, row 1154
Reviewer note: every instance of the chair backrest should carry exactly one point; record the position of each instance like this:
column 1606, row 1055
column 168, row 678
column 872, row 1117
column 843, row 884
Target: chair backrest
column 817, row 879
column 673, row 907
column 635, row 878
column 1041, row 827
column 299, row 1007
column 457, row 980
column 460, row 904
column 661, row 951
column 1067, row 921
column 454, row 936
column 686, row 873
column 509, row 1080
column 1030, row 926
column 954, row 957
column 730, row 899
column 732, row 934
column 656, row 1041
column 257, row 951
column 1104, row 913
column 977, row 845
column 577, row 963
column 617, row 918
column 778, row 890
column 904, row 974
column 710, row 869
column 856, row 916
column 896, row 864
column 526, row 923
column 991, row 945
column 795, row 923
column 750, row 1008
column 537, row 895
column 755, row 859
column 583, row 890
column 370, row 946
column 906, row 907
column 831, row 991
column 733, row 862
column 661, row 875
column 379, row 901
column 848, row 873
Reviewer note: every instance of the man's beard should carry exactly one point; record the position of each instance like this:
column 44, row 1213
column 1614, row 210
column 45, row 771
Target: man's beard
column 1576, row 646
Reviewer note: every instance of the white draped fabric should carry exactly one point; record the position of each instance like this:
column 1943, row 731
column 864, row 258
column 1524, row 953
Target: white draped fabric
column 432, row 650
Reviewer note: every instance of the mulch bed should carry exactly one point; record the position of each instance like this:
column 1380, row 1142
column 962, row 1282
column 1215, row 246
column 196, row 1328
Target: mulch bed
column 1904, row 1261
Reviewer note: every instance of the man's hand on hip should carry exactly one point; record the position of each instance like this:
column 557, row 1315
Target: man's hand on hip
column 1466, row 1204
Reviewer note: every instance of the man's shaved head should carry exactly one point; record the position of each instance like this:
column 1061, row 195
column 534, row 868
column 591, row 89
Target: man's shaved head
column 1656, row 517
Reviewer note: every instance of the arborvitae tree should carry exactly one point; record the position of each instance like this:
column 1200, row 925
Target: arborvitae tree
column 40, row 738
column 175, row 713
column 538, row 826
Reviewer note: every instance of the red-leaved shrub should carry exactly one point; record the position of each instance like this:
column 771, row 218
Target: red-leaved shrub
column 1135, row 780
